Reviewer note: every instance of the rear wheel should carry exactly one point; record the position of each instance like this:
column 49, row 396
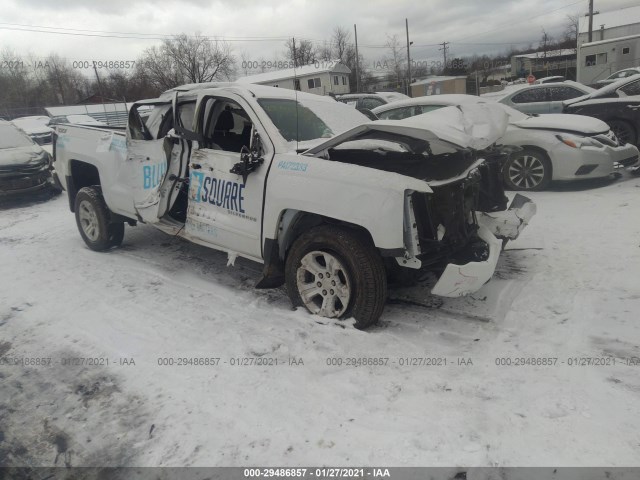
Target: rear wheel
column 94, row 220
column 528, row 169
column 623, row 131
column 335, row 272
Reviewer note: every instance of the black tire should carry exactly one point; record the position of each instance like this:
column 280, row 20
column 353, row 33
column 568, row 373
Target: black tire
column 624, row 131
column 361, row 272
column 527, row 170
column 94, row 220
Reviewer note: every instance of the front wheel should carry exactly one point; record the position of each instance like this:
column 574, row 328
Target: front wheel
column 94, row 221
column 528, row 170
column 335, row 272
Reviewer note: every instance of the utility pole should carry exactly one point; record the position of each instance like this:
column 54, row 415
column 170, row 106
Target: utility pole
column 355, row 31
column 406, row 22
column 590, row 15
column 99, row 83
column 444, row 53
column 295, row 60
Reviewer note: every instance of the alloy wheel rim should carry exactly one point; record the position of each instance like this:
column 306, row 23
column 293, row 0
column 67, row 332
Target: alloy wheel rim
column 526, row 172
column 323, row 284
column 89, row 220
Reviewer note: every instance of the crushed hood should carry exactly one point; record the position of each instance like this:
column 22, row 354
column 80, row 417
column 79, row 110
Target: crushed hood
column 564, row 122
column 475, row 126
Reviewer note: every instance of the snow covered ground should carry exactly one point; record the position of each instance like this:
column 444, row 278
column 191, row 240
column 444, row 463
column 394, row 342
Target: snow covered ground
column 568, row 289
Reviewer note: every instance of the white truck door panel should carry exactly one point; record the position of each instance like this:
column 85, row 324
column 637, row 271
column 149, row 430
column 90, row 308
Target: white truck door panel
column 147, row 161
column 152, row 165
column 225, row 210
column 222, row 209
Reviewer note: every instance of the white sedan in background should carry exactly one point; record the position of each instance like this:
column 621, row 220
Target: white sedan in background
column 553, row 146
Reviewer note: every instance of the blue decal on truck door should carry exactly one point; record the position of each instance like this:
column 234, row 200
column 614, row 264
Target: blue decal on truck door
column 225, row 194
column 152, row 175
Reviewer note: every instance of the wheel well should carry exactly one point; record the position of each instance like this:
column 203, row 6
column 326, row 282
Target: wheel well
column 82, row 175
column 292, row 226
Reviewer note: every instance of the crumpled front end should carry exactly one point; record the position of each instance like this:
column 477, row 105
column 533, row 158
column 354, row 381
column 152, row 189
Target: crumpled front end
column 458, row 280
column 23, row 179
column 507, row 224
column 446, row 230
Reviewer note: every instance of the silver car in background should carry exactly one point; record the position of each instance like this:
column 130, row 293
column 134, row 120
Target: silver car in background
column 553, row 146
column 541, row 98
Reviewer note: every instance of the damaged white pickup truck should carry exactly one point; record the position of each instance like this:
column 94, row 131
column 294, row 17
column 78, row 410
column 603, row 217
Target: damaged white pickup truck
column 330, row 202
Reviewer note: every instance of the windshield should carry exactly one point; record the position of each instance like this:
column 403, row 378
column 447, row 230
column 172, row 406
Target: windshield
column 307, row 119
column 11, row 137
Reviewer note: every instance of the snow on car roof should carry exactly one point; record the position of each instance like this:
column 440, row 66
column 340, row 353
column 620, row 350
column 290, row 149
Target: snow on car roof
column 264, row 91
column 604, row 91
column 516, row 88
column 445, row 99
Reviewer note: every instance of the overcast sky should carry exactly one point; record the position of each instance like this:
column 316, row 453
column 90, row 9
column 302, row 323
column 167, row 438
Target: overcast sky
column 259, row 28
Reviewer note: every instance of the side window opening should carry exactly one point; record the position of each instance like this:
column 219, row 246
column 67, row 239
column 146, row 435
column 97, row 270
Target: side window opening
column 140, row 126
column 228, row 126
column 631, row 89
column 533, row 95
column 564, row 93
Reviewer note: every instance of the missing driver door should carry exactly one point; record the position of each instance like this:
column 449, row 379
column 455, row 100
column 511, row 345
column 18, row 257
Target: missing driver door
column 224, row 210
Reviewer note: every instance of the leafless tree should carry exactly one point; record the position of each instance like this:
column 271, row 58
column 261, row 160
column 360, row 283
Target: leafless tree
column 571, row 29
column 301, row 52
column 340, row 41
column 545, row 41
column 188, row 59
column 396, row 59
column 325, row 52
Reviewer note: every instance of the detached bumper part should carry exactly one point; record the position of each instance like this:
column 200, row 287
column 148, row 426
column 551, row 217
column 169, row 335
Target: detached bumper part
column 459, row 280
column 508, row 224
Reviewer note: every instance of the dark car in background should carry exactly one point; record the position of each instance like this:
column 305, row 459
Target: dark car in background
column 36, row 127
column 24, row 166
column 627, row 72
column 617, row 104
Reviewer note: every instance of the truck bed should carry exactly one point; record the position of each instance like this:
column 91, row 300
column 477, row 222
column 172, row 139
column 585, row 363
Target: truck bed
column 102, row 147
